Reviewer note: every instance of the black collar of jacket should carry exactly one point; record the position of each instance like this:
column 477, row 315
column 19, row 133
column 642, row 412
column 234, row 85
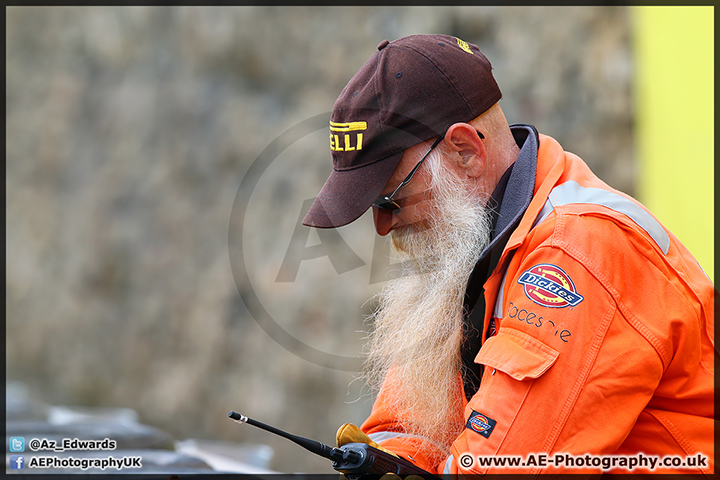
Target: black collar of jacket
column 509, row 201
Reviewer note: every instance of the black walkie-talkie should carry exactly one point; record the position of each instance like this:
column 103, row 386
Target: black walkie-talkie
column 354, row 460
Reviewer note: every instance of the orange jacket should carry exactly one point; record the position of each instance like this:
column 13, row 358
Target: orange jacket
column 603, row 346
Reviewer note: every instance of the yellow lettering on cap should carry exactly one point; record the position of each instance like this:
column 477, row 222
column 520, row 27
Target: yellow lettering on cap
column 346, row 127
column 465, row 46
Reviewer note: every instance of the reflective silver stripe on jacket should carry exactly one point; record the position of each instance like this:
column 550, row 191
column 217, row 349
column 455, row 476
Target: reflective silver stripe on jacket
column 378, row 437
column 448, row 463
column 498, row 310
column 572, row 192
column 382, row 436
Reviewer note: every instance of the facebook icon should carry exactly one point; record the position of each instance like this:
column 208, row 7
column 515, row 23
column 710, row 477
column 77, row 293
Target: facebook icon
column 17, row 462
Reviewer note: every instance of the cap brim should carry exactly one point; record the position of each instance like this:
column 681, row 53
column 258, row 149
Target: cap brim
column 347, row 194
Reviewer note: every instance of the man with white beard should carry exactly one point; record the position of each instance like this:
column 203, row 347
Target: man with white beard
column 541, row 314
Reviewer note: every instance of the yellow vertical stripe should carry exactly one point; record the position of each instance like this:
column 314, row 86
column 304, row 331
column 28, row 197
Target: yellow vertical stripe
column 674, row 95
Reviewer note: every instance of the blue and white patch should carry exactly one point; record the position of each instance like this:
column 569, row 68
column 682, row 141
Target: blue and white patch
column 548, row 285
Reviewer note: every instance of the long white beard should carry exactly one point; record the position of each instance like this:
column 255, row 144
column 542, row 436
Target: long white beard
column 418, row 326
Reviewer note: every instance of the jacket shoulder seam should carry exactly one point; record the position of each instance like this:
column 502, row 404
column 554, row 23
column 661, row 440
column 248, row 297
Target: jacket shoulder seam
column 556, row 240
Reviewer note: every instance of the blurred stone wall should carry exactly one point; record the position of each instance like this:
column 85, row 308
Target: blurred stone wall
column 158, row 160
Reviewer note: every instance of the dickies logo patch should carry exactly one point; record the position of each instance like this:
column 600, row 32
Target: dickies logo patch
column 548, row 285
column 481, row 424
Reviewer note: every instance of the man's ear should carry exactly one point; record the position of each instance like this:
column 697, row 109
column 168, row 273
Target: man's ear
column 471, row 154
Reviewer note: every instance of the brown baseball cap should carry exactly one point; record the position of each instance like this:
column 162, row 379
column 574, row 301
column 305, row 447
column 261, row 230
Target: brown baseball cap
column 411, row 90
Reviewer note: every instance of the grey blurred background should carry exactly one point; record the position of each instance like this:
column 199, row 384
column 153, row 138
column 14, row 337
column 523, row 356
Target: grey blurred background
column 158, row 160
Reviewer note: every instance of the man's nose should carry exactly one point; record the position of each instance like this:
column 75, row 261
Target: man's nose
column 384, row 221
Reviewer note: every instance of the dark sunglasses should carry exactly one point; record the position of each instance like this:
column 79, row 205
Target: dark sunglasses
column 386, row 202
